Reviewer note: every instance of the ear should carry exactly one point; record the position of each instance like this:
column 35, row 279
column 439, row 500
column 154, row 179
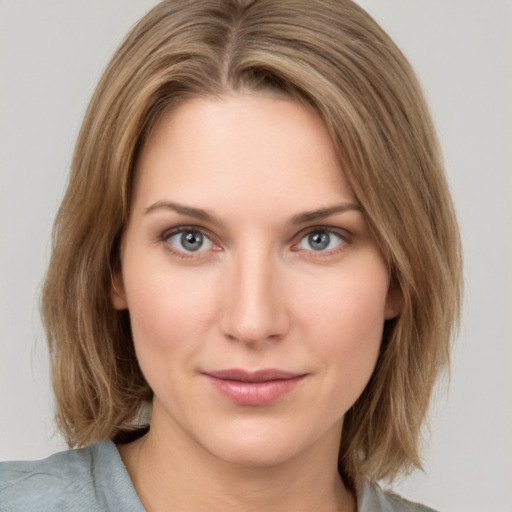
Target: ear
column 117, row 293
column 394, row 301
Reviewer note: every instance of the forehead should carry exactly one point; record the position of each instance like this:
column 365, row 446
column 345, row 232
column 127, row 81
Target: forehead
column 239, row 147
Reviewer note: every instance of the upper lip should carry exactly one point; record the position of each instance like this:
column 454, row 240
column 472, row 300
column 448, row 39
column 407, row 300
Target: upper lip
column 264, row 375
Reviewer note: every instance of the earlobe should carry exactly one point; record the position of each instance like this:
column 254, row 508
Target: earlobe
column 394, row 302
column 117, row 293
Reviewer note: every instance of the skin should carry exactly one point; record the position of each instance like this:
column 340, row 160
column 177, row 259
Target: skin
column 259, row 293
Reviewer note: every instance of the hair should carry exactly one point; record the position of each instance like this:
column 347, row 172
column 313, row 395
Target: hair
column 328, row 54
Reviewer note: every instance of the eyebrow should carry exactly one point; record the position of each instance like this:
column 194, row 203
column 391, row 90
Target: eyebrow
column 323, row 213
column 189, row 211
column 205, row 216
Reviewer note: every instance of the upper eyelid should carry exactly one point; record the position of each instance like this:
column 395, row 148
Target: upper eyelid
column 184, row 228
column 342, row 232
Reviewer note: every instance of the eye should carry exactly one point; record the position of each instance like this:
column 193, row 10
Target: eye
column 189, row 240
column 320, row 240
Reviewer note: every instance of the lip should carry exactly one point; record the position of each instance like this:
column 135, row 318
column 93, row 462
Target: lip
column 254, row 388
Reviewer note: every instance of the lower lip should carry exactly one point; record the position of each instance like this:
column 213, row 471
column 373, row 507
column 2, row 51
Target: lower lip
column 255, row 393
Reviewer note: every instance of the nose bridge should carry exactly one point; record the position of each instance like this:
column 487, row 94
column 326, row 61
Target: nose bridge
column 254, row 310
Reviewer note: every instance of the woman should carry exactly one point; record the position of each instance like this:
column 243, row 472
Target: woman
column 258, row 239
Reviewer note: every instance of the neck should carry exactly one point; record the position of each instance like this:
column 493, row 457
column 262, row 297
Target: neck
column 172, row 472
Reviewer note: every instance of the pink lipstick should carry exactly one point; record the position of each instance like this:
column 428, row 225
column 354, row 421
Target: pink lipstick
column 258, row 388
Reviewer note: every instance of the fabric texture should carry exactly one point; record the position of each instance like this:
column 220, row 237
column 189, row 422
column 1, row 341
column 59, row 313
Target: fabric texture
column 94, row 479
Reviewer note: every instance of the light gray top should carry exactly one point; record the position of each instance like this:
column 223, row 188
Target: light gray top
column 94, row 479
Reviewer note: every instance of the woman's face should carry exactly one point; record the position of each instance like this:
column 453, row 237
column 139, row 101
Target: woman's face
column 256, row 292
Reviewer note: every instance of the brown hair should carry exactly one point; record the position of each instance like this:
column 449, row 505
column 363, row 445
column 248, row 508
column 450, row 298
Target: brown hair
column 329, row 54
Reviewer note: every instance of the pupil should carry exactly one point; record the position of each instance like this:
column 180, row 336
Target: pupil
column 192, row 241
column 319, row 241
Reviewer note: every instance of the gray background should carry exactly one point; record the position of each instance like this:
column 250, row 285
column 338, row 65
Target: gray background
column 51, row 55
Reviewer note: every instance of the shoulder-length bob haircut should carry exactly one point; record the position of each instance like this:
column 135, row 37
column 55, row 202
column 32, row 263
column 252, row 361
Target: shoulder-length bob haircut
column 328, row 54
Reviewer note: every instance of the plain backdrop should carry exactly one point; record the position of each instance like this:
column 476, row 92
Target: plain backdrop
column 51, row 55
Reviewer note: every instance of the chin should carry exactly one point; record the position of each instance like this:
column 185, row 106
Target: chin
column 263, row 447
column 256, row 455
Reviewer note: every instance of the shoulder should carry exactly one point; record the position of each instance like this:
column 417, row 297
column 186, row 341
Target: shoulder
column 372, row 498
column 74, row 480
column 62, row 480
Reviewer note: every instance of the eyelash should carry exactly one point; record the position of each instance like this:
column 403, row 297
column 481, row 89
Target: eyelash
column 341, row 234
column 166, row 235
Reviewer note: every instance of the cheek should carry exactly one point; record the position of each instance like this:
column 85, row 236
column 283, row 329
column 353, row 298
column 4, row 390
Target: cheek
column 169, row 312
column 345, row 321
column 351, row 302
column 352, row 331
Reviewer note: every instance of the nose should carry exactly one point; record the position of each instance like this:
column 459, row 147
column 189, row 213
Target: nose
column 254, row 305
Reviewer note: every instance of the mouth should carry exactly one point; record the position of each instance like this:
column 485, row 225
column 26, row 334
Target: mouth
column 258, row 388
